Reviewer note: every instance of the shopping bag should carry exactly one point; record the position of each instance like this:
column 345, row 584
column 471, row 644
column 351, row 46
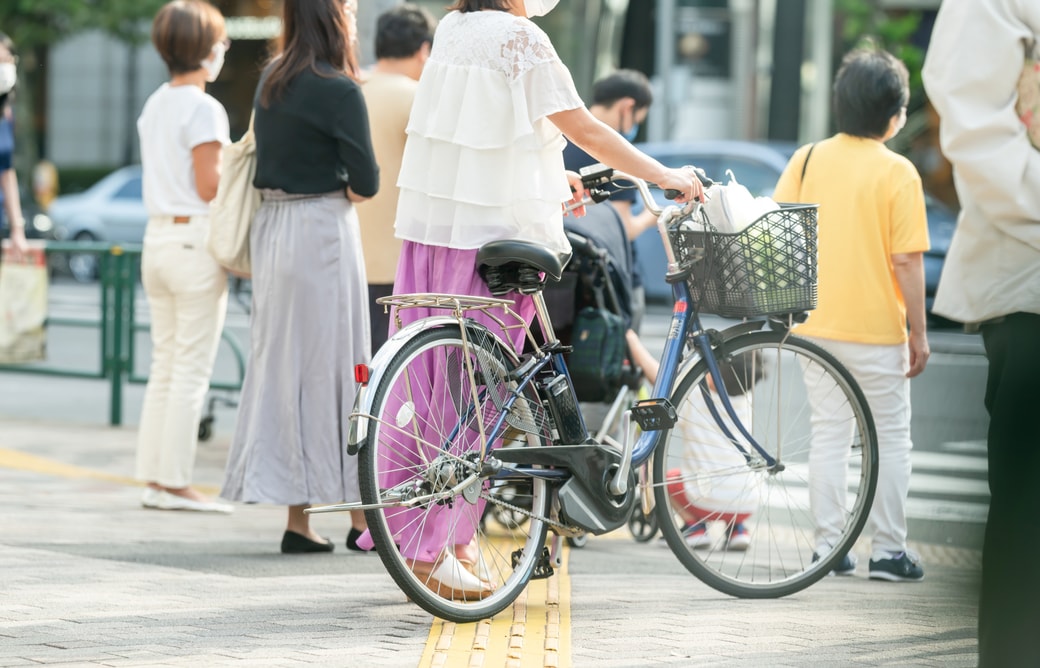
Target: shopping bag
column 731, row 207
column 23, row 307
column 231, row 211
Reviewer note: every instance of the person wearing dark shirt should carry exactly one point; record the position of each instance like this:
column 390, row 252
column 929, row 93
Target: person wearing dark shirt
column 315, row 139
column 9, row 202
column 622, row 101
column 309, row 316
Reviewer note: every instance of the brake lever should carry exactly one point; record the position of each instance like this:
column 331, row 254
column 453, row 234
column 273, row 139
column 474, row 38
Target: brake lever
column 596, row 195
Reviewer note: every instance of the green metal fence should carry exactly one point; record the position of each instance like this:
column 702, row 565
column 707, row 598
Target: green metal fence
column 119, row 268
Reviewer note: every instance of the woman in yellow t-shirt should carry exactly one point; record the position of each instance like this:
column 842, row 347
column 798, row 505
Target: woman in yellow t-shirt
column 872, row 236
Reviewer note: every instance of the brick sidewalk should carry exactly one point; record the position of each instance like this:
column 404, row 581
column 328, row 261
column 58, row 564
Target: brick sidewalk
column 89, row 578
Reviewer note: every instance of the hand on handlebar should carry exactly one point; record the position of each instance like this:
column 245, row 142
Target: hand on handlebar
column 575, row 206
column 685, row 181
column 684, row 185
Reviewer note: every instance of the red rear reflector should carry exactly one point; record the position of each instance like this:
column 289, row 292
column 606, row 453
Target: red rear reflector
column 361, row 373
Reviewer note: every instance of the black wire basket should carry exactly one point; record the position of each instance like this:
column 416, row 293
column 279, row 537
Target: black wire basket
column 769, row 268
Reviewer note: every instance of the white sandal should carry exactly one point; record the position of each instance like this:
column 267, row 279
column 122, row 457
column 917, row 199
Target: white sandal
column 477, row 567
column 450, row 579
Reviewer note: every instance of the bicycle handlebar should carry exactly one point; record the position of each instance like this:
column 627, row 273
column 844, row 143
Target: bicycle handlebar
column 595, row 176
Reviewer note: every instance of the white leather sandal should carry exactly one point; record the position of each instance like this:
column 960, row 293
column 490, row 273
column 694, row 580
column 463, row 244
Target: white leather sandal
column 474, row 564
column 448, row 578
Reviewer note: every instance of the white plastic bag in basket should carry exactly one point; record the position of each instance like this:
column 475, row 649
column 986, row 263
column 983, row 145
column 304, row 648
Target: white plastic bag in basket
column 732, row 208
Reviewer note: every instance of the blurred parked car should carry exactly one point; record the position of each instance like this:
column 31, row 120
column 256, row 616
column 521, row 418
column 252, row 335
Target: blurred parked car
column 758, row 166
column 112, row 210
column 37, row 224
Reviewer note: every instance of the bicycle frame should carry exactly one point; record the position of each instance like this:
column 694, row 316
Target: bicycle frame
column 471, row 453
column 685, row 324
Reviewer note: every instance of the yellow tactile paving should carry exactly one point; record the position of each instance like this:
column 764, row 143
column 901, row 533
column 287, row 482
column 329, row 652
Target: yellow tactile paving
column 533, row 633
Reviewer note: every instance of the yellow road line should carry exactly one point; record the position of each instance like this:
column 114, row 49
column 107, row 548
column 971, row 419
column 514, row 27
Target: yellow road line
column 533, row 633
column 21, row 461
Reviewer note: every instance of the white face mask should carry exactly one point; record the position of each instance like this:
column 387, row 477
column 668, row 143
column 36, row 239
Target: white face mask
column 539, row 7
column 8, row 77
column 215, row 63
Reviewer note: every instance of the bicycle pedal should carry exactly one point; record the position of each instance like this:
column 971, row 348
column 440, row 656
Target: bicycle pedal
column 654, row 414
column 543, row 569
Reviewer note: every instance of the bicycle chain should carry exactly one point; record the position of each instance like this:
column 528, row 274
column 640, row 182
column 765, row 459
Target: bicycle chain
column 523, row 511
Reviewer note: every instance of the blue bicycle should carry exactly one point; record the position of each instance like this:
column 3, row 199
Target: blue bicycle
column 450, row 420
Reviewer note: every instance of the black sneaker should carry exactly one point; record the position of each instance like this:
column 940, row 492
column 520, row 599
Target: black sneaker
column 847, row 565
column 903, row 567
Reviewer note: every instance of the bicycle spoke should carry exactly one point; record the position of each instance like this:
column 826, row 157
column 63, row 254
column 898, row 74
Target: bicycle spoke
column 431, row 417
column 705, row 488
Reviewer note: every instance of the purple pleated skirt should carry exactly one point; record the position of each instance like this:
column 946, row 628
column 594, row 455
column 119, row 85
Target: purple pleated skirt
column 438, row 269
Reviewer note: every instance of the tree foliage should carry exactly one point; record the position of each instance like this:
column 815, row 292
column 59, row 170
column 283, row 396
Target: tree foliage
column 866, row 21
column 37, row 25
column 40, row 23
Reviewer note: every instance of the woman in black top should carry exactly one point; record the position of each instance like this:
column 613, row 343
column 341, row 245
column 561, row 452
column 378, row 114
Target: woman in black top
column 310, row 315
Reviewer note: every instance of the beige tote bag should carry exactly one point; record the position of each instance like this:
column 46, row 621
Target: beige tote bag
column 23, row 307
column 232, row 210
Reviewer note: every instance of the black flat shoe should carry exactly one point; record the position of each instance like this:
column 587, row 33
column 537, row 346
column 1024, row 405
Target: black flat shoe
column 352, row 537
column 295, row 543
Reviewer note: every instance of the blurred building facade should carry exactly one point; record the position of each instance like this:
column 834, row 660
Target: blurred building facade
column 722, row 69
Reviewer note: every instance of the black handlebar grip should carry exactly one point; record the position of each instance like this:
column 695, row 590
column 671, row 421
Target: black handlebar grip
column 671, row 193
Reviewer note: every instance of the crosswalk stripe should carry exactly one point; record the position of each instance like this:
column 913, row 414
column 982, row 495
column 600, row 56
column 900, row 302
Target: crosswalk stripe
column 964, row 495
column 944, row 484
column 943, row 461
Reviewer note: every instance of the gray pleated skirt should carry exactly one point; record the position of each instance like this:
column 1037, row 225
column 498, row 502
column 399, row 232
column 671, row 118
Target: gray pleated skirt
column 309, row 327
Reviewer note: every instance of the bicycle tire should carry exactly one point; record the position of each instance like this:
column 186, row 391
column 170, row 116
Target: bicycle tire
column 418, row 405
column 784, row 548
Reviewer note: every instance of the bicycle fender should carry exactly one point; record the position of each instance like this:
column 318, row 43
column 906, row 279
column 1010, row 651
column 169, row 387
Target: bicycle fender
column 742, row 328
column 357, row 435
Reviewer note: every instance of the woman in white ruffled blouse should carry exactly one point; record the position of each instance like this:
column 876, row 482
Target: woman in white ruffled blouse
column 484, row 162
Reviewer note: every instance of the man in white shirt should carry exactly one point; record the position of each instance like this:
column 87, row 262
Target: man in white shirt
column 991, row 280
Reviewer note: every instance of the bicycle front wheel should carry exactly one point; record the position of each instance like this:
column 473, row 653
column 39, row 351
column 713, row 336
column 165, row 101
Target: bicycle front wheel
column 463, row 551
column 765, row 524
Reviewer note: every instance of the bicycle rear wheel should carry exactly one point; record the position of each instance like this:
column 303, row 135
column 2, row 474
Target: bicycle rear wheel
column 742, row 526
column 436, row 398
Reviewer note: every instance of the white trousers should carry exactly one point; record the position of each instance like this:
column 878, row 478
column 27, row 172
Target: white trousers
column 880, row 371
column 187, row 296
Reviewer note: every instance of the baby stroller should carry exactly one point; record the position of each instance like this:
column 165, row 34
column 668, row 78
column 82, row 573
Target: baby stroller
column 591, row 309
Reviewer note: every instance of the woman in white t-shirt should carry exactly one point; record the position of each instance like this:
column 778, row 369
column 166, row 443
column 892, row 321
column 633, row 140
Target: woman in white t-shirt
column 182, row 131
column 484, row 162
